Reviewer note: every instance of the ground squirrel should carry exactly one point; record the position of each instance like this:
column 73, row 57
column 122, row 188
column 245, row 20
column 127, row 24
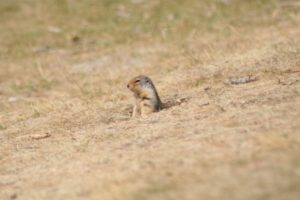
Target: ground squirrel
column 145, row 93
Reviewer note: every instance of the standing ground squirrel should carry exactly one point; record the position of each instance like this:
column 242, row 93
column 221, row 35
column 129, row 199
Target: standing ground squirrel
column 145, row 93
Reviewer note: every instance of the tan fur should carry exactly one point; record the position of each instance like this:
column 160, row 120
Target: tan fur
column 146, row 96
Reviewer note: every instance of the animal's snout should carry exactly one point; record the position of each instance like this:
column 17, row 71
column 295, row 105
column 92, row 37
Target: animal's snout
column 128, row 86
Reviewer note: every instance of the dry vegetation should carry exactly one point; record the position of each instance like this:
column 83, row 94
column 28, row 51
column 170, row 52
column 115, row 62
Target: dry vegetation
column 65, row 127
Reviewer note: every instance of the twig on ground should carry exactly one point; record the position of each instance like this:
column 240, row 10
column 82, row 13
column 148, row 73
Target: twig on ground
column 37, row 136
column 241, row 80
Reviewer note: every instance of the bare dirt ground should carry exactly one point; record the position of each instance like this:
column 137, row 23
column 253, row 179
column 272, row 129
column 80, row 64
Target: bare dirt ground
column 66, row 131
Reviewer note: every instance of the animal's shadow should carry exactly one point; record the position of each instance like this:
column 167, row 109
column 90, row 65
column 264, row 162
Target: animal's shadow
column 174, row 101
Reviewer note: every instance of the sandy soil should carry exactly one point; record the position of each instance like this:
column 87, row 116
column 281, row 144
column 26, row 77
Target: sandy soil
column 76, row 140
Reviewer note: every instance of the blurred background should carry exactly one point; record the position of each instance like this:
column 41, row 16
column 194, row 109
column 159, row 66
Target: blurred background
column 76, row 25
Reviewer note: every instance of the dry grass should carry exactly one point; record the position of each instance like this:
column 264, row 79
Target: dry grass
column 65, row 130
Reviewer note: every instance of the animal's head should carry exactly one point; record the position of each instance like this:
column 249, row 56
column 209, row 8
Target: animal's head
column 139, row 83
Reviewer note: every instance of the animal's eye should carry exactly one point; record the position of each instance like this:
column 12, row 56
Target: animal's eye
column 137, row 81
